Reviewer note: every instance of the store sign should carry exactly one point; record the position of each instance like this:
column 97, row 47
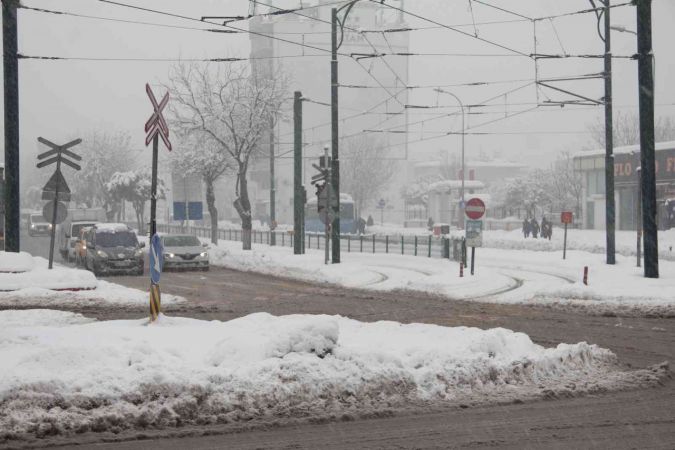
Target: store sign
column 626, row 165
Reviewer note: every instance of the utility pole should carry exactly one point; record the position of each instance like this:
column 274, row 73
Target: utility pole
column 647, row 150
column 298, row 197
column 328, row 188
column 11, row 74
column 335, row 181
column 273, row 214
column 610, row 205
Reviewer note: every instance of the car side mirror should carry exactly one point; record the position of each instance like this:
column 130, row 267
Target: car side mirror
column 142, row 244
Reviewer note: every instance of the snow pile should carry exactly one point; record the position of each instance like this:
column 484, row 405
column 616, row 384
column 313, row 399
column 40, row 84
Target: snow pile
column 111, row 376
column 35, row 274
column 62, row 286
column 15, row 262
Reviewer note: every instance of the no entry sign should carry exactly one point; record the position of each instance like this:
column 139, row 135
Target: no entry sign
column 474, row 209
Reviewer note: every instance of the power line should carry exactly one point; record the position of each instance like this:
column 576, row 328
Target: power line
column 128, row 59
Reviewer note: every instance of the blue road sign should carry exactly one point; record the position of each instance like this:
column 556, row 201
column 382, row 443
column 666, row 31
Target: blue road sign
column 156, row 258
column 195, row 211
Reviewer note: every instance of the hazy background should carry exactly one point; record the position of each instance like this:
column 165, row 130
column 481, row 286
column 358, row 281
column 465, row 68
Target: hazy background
column 61, row 99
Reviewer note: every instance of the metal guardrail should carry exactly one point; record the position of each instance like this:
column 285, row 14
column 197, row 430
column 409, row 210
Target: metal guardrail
column 426, row 246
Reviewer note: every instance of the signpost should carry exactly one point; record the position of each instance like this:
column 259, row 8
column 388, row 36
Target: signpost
column 566, row 217
column 56, row 189
column 474, row 210
column 326, row 202
column 380, row 205
column 155, row 128
column 156, row 265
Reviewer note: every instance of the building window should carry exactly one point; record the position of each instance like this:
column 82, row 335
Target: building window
column 595, row 181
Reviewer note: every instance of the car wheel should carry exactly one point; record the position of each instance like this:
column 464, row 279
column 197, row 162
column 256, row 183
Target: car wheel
column 205, row 269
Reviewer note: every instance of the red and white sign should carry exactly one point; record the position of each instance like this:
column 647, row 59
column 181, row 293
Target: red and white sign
column 156, row 125
column 566, row 217
column 474, row 209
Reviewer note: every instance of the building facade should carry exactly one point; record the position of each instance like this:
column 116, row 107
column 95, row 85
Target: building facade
column 591, row 165
column 363, row 103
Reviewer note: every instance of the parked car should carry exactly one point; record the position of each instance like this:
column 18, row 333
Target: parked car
column 184, row 251
column 113, row 248
column 38, row 226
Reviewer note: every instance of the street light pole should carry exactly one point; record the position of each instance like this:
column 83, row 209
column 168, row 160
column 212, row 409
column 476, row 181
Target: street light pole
column 610, row 205
column 461, row 106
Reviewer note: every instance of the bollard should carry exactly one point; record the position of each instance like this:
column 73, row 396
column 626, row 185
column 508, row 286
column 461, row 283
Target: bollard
column 283, row 239
column 386, row 244
column 461, row 269
column 373, row 243
column 361, row 243
column 429, row 255
column 415, row 245
column 402, row 251
column 586, row 275
column 349, row 243
column 309, row 240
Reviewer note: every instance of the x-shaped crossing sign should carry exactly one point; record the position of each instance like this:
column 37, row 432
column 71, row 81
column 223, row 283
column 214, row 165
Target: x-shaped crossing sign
column 156, row 124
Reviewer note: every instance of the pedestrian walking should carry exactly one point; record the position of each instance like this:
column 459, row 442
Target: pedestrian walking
column 526, row 228
column 534, row 225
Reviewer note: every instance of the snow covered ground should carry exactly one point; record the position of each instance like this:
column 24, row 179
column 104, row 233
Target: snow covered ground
column 501, row 276
column 64, row 374
column 28, row 282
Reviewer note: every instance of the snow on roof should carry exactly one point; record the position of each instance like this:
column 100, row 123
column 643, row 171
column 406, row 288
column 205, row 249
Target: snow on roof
column 112, row 227
column 666, row 145
column 455, row 184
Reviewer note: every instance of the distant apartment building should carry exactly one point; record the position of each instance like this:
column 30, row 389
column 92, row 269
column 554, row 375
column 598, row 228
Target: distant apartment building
column 364, row 104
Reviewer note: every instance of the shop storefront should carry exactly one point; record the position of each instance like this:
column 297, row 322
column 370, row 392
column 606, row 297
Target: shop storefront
column 591, row 165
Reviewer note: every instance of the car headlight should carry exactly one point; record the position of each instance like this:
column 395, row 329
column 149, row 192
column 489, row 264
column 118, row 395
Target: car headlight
column 32, row 225
column 139, row 252
column 169, row 255
column 101, row 253
column 49, row 225
column 203, row 254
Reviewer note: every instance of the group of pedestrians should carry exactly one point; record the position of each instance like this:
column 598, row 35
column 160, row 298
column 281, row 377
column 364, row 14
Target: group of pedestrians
column 531, row 227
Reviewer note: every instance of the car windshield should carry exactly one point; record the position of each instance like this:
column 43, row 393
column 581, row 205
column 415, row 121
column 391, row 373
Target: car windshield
column 76, row 228
column 37, row 218
column 118, row 239
column 181, row 241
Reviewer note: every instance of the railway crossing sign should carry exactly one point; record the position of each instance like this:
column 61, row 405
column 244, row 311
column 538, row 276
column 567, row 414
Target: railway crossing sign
column 475, row 208
column 156, row 124
column 56, row 188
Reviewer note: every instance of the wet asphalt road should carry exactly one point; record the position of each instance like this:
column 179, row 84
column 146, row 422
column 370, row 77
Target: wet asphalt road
column 633, row 419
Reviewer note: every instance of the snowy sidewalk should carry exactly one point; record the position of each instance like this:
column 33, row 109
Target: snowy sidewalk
column 64, row 374
column 501, row 276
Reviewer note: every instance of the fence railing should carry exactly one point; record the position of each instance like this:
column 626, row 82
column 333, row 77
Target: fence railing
column 426, row 246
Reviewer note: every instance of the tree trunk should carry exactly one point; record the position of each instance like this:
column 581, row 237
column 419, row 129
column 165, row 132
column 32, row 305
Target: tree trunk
column 213, row 211
column 243, row 207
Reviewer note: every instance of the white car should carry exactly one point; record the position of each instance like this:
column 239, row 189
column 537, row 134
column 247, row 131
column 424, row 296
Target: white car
column 184, row 251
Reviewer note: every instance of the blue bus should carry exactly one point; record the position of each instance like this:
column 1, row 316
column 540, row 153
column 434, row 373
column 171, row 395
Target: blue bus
column 347, row 220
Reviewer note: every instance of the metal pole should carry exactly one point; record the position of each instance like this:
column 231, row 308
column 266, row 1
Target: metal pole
column 52, row 233
column 335, row 181
column 273, row 214
column 610, row 214
column 297, row 174
column 647, row 150
column 639, row 218
column 565, row 242
column 473, row 258
column 11, row 74
column 153, row 187
column 328, row 208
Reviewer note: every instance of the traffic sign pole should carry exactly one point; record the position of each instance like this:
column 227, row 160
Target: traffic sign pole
column 53, row 230
column 153, row 189
column 565, row 242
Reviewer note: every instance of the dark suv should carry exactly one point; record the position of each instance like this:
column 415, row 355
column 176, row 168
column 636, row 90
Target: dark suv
column 113, row 248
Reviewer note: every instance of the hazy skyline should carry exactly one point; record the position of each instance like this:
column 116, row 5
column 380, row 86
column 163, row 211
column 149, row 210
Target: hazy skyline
column 59, row 99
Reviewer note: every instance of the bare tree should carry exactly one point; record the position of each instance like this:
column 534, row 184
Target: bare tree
column 365, row 170
column 565, row 184
column 232, row 108
column 201, row 156
column 103, row 154
column 627, row 130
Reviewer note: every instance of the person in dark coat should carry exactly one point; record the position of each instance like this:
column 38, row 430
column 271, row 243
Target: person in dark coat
column 526, row 228
column 535, row 227
column 546, row 228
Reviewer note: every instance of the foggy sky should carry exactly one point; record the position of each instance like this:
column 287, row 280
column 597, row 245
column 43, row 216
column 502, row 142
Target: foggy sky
column 60, row 99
